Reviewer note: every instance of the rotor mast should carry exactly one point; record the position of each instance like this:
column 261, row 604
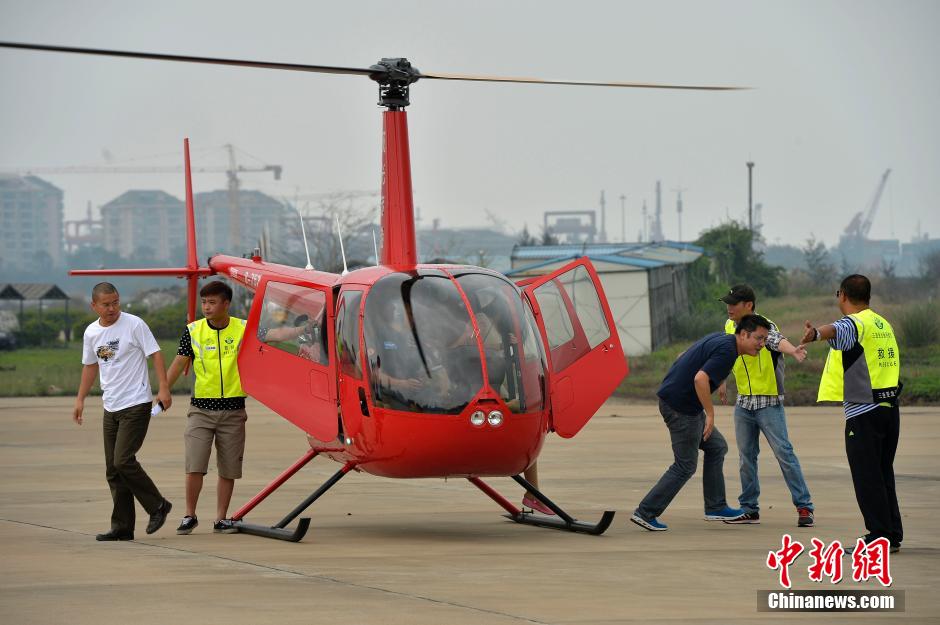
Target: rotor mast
column 399, row 248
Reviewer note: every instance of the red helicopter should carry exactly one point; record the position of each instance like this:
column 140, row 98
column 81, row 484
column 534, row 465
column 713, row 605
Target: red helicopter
column 410, row 370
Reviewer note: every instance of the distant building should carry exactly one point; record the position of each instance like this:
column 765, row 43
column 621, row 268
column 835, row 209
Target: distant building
column 473, row 246
column 914, row 252
column 143, row 224
column 256, row 210
column 860, row 254
column 30, row 221
column 645, row 283
column 153, row 223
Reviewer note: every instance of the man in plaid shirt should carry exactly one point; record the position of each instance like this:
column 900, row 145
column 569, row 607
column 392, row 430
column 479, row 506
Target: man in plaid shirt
column 759, row 408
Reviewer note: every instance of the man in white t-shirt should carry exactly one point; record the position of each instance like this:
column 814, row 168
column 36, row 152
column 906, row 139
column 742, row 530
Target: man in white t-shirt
column 117, row 346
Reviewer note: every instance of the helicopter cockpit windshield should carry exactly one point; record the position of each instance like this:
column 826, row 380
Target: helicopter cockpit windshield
column 422, row 350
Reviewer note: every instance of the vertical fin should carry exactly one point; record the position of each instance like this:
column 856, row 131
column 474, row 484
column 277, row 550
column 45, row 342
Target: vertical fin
column 192, row 258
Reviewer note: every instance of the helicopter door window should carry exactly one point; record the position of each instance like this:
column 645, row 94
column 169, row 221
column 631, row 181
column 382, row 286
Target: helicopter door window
column 554, row 312
column 347, row 334
column 574, row 318
column 587, row 305
column 293, row 320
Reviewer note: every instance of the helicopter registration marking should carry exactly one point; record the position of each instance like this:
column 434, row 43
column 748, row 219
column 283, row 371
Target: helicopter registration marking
column 249, row 278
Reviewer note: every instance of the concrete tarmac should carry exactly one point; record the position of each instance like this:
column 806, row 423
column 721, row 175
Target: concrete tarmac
column 435, row 551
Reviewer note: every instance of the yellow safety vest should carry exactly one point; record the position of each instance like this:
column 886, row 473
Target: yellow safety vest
column 868, row 373
column 756, row 375
column 216, row 363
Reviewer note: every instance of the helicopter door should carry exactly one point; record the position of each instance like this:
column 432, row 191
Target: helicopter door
column 352, row 389
column 585, row 357
column 286, row 362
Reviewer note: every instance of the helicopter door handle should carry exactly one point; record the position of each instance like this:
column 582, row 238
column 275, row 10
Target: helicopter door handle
column 363, row 404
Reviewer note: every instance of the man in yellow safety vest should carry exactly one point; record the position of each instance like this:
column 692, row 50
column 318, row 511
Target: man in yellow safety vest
column 217, row 407
column 862, row 371
column 759, row 409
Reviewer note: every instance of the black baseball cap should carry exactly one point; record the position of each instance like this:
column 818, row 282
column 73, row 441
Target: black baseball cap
column 738, row 293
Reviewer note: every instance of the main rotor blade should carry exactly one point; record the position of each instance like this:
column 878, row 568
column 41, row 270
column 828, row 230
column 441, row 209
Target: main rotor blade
column 360, row 71
column 582, row 83
column 296, row 67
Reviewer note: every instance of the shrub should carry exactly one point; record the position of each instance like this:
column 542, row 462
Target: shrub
column 36, row 331
column 919, row 325
column 168, row 322
column 694, row 325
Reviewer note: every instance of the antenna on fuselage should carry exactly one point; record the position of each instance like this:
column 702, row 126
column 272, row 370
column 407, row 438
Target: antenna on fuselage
column 342, row 250
column 303, row 233
column 375, row 246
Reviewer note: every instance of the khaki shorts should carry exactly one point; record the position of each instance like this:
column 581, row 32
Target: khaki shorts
column 227, row 427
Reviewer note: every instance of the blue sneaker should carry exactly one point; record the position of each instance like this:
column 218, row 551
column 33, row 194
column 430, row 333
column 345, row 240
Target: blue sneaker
column 652, row 525
column 725, row 514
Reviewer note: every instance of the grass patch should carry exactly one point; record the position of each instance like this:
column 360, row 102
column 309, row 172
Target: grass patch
column 49, row 371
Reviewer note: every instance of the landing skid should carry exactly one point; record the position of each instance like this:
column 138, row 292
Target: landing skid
column 563, row 521
column 276, row 532
column 280, row 531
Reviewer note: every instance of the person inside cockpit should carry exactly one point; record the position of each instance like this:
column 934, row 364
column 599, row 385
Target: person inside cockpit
column 306, row 334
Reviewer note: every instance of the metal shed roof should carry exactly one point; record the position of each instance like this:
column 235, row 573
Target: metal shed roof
column 645, row 255
column 32, row 291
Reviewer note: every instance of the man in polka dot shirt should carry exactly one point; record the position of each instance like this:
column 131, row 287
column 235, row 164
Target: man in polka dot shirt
column 217, row 408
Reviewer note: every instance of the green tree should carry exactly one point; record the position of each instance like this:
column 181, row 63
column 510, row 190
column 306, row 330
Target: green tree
column 548, row 237
column 525, row 237
column 732, row 259
column 818, row 262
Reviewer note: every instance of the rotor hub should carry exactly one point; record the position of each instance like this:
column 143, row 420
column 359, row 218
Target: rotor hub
column 395, row 77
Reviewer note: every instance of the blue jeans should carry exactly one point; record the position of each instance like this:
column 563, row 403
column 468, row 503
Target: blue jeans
column 748, row 424
column 685, row 431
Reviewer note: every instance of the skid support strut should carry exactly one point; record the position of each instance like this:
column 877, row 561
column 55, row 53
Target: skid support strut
column 563, row 521
column 279, row 530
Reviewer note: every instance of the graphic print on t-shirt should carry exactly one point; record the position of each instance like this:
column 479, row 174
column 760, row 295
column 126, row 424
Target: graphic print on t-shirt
column 109, row 350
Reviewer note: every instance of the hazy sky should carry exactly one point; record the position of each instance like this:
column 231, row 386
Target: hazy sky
column 842, row 91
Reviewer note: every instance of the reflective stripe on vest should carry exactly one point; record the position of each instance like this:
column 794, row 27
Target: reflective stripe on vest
column 216, row 361
column 756, row 375
column 868, row 373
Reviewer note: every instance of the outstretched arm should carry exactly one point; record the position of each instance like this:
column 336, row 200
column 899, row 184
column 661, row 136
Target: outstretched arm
column 786, row 347
column 823, row 333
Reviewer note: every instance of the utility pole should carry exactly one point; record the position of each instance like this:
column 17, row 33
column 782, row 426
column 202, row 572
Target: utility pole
column 623, row 218
column 656, row 233
column 679, row 191
column 645, row 231
column 750, row 205
column 603, row 218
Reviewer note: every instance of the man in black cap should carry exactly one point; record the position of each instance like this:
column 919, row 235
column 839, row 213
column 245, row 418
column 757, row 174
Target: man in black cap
column 759, row 408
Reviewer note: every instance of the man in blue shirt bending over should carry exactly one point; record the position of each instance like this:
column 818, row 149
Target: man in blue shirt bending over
column 686, row 406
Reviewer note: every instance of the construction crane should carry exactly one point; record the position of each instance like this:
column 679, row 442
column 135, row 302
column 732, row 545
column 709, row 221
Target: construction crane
column 860, row 225
column 231, row 171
